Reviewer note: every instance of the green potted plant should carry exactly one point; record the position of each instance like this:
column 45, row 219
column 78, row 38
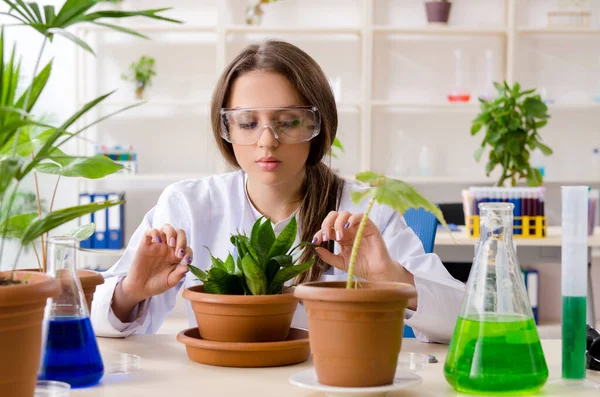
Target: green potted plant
column 438, row 11
column 512, row 122
column 357, row 325
column 244, row 300
column 255, row 12
column 141, row 73
column 23, row 153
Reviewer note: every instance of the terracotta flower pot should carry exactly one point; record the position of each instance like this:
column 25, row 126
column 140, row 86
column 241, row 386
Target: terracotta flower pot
column 89, row 280
column 437, row 11
column 355, row 334
column 242, row 318
column 21, row 314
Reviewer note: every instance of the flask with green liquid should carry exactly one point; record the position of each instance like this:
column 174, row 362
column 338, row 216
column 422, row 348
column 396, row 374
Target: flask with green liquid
column 496, row 348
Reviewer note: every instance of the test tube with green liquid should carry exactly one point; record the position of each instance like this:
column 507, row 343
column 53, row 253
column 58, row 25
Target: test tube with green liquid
column 574, row 280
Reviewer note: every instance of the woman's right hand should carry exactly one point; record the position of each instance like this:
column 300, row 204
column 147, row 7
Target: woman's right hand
column 159, row 264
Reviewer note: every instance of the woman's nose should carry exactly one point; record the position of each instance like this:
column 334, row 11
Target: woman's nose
column 267, row 137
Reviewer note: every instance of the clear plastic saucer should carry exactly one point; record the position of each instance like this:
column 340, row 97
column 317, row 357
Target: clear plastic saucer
column 120, row 363
column 51, row 388
column 414, row 362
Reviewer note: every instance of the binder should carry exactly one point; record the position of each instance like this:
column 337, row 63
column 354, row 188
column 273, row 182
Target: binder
column 85, row 199
column 100, row 237
column 115, row 223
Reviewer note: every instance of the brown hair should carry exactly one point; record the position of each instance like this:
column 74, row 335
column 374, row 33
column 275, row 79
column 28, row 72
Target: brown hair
column 306, row 76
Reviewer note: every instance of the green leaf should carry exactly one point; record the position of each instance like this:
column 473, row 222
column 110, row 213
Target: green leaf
column 152, row 14
column 230, row 264
column 401, row 196
column 475, row 128
column 71, row 11
column 9, row 168
column 535, row 108
column 478, row 153
column 49, row 14
column 369, row 177
column 254, row 276
column 287, row 273
column 266, row 239
column 272, row 269
column 534, row 177
column 56, row 218
column 545, row 149
column 82, row 232
column 358, row 196
column 216, row 262
column 489, row 167
column 222, row 283
column 254, row 232
column 541, row 123
column 45, row 151
column 338, row 144
column 15, row 226
column 514, row 147
column 202, row 276
column 70, row 36
column 93, row 167
column 122, row 29
column 282, row 260
column 36, row 10
column 249, row 248
column 285, row 240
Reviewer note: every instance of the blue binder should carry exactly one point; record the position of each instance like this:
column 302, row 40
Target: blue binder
column 85, row 199
column 532, row 284
column 115, row 223
column 100, row 237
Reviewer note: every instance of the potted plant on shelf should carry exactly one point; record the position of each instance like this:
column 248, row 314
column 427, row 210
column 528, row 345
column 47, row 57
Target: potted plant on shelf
column 254, row 12
column 438, row 11
column 23, row 294
column 358, row 325
column 244, row 300
column 141, row 73
column 512, row 121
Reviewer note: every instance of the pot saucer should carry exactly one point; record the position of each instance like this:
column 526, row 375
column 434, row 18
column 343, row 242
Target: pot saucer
column 295, row 349
column 308, row 380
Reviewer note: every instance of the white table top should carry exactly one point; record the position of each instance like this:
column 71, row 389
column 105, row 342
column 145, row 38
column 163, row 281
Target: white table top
column 167, row 371
column 554, row 238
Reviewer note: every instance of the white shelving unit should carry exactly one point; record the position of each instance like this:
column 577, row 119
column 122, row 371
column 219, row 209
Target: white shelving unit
column 394, row 68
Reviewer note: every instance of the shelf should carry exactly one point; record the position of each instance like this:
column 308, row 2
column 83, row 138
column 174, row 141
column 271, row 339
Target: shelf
column 103, row 252
column 558, row 30
column 292, row 30
column 425, row 106
column 167, row 28
column 574, row 106
column 437, row 30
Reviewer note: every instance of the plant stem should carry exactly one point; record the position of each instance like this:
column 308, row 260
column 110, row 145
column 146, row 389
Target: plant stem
column 37, row 257
column 54, row 193
column 357, row 238
column 50, row 210
column 39, row 205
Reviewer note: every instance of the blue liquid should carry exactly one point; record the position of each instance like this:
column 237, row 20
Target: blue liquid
column 72, row 354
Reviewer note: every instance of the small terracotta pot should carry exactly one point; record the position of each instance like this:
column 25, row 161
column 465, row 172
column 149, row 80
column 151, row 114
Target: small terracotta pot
column 89, row 280
column 355, row 334
column 437, row 11
column 21, row 314
column 242, row 318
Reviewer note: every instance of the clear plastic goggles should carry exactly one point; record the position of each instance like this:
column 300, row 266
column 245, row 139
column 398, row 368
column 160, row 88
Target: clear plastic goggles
column 294, row 124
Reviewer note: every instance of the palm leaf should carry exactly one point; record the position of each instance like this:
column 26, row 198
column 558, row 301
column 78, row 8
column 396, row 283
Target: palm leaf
column 54, row 219
column 72, row 37
column 15, row 226
column 49, row 14
column 121, row 29
column 37, row 86
column 36, row 10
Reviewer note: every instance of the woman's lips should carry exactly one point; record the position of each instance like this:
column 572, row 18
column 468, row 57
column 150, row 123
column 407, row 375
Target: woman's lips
column 268, row 165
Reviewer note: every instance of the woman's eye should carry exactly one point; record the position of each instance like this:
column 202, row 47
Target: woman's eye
column 288, row 124
column 249, row 125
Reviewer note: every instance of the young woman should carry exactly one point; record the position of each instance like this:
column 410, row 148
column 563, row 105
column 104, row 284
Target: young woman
column 274, row 117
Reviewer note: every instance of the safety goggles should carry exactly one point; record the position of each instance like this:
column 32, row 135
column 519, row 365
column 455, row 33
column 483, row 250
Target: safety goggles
column 293, row 124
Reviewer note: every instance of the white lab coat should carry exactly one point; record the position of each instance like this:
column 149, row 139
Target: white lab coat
column 210, row 209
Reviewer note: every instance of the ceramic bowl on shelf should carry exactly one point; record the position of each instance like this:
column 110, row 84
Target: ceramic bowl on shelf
column 295, row 349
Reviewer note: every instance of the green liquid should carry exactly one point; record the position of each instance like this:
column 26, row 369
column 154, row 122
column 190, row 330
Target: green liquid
column 496, row 354
column 573, row 337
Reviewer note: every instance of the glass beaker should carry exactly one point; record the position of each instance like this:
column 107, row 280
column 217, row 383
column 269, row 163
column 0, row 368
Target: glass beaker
column 496, row 348
column 71, row 352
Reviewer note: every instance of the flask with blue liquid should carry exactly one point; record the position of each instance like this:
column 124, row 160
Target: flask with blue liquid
column 70, row 351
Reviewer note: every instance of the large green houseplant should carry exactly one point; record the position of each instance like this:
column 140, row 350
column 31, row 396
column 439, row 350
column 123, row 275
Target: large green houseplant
column 368, row 316
column 24, row 153
column 264, row 263
column 512, row 122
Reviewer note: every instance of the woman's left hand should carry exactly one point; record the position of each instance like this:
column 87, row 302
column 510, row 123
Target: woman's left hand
column 373, row 261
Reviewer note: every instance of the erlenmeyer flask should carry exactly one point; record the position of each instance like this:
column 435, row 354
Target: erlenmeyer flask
column 71, row 353
column 496, row 348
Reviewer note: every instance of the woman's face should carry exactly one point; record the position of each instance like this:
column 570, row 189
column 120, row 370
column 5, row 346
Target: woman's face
column 268, row 160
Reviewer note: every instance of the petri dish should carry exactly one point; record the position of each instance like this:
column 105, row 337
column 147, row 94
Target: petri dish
column 120, row 363
column 411, row 361
column 51, row 388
